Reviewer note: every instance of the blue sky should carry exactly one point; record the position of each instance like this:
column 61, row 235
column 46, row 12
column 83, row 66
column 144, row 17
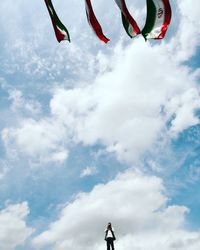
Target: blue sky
column 91, row 133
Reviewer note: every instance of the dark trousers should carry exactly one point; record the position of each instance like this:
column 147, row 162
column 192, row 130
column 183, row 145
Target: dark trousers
column 110, row 243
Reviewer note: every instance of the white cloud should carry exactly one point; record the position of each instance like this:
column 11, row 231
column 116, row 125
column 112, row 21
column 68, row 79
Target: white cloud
column 88, row 171
column 127, row 110
column 136, row 205
column 131, row 94
column 126, row 107
column 18, row 102
column 41, row 140
column 13, row 229
column 187, row 37
column 186, row 106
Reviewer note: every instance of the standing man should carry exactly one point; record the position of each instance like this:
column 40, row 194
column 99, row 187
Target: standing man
column 110, row 236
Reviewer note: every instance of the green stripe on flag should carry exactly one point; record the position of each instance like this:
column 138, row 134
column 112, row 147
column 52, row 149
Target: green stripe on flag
column 58, row 23
column 126, row 25
column 151, row 17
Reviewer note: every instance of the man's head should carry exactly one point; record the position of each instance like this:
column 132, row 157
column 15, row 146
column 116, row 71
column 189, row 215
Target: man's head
column 109, row 225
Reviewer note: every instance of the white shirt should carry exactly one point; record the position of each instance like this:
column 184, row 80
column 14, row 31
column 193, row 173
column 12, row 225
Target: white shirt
column 109, row 234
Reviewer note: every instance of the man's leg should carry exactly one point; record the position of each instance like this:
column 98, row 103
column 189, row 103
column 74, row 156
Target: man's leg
column 112, row 244
column 108, row 244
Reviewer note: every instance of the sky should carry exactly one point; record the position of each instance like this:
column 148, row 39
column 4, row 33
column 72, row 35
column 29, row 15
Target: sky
column 93, row 132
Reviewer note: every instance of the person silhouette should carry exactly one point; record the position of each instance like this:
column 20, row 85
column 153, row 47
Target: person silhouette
column 110, row 236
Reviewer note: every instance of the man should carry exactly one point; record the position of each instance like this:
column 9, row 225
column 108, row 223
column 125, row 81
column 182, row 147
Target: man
column 110, row 236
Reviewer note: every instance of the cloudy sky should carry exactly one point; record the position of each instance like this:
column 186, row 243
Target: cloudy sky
column 91, row 133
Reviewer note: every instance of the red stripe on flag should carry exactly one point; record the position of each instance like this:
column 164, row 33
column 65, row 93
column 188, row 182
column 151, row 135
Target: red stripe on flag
column 168, row 14
column 94, row 23
column 129, row 17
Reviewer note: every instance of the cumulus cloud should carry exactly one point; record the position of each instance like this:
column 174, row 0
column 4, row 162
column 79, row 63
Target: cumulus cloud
column 124, row 109
column 19, row 103
column 27, row 50
column 88, row 171
column 125, row 97
column 137, row 206
column 127, row 110
column 186, row 106
column 140, row 94
column 40, row 140
column 13, row 229
column 187, row 37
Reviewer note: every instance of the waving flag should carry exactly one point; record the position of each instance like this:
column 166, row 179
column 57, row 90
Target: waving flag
column 158, row 19
column 60, row 30
column 94, row 22
column 129, row 23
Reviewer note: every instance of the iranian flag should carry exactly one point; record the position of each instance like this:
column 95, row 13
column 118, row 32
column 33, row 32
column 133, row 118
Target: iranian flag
column 129, row 23
column 60, row 30
column 92, row 20
column 158, row 19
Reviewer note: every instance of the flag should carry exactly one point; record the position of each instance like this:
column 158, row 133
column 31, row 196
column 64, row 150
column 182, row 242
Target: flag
column 129, row 23
column 158, row 19
column 60, row 30
column 92, row 20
